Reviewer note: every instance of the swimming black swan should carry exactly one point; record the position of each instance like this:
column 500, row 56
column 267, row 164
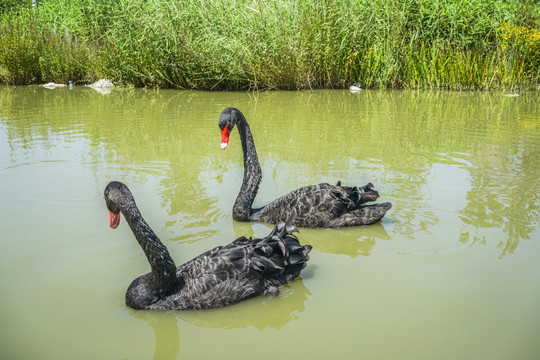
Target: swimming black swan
column 219, row 277
column 311, row 206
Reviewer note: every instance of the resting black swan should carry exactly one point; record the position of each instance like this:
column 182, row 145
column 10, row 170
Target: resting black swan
column 219, row 277
column 311, row 206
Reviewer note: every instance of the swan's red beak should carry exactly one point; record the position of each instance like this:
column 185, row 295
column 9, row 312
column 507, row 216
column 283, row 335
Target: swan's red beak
column 225, row 137
column 114, row 220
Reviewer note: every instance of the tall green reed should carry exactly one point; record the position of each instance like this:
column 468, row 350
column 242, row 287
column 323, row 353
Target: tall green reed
column 276, row 44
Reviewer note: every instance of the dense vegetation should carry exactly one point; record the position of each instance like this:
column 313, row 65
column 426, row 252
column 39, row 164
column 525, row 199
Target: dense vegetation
column 273, row 44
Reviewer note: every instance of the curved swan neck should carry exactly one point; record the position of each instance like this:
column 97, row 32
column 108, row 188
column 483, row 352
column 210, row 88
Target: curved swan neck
column 163, row 267
column 252, row 173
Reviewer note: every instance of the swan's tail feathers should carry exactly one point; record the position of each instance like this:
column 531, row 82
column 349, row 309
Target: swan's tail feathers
column 364, row 215
column 282, row 229
column 349, row 198
column 279, row 255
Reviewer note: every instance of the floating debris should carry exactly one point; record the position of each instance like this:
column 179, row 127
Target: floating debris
column 356, row 87
column 511, row 95
column 103, row 86
column 52, row 85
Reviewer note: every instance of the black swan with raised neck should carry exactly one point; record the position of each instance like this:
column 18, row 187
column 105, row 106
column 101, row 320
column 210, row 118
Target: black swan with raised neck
column 222, row 276
column 312, row 206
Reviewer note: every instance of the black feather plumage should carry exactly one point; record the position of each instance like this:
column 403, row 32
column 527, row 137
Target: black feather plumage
column 311, row 206
column 219, row 277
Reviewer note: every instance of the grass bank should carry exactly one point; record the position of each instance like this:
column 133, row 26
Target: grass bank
column 273, row 44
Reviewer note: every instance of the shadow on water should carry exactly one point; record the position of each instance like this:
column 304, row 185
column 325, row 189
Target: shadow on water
column 353, row 241
column 166, row 335
column 261, row 313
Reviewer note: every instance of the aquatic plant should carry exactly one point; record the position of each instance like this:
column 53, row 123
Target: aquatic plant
column 19, row 51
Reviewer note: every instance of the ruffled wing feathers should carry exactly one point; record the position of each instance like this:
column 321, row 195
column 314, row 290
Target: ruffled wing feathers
column 323, row 205
column 244, row 268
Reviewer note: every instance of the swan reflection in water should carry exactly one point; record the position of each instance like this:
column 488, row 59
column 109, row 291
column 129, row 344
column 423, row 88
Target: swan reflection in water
column 350, row 241
column 261, row 313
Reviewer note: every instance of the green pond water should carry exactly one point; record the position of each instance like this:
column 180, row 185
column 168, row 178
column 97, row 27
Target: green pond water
column 452, row 271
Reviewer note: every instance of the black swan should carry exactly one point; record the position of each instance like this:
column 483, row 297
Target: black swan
column 311, row 206
column 223, row 276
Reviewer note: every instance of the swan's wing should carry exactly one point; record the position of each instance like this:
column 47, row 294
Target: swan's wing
column 245, row 268
column 300, row 207
column 364, row 215
column 216, row 278
column 316, row 205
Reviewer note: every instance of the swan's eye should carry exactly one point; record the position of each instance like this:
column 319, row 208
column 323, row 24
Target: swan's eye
column 223, row 126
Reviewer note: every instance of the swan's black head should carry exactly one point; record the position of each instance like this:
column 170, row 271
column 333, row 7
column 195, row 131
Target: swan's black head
column 227, row 121
column 114, row 191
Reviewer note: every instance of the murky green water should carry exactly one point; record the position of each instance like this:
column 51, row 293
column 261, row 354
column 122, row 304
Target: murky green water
column 452, row 272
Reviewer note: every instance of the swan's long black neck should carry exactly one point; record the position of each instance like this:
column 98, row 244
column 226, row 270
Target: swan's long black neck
column 242, row 208
column 163, row 274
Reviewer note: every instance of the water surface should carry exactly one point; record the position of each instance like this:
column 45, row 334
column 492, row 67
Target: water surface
column 451, row 272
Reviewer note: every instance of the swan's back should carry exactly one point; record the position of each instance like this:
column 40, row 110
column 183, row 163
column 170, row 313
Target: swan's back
column 324, row 205
column 240, row 270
